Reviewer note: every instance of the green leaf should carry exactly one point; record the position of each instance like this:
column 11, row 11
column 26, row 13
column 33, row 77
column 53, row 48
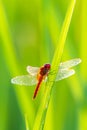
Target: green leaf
column 41, row 115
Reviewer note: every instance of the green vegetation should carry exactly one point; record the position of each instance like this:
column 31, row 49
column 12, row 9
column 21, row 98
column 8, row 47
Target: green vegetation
column 40, row 120
column 34, row 33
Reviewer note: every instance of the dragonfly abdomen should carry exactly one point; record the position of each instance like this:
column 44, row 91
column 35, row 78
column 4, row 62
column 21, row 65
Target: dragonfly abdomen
column 37, row 87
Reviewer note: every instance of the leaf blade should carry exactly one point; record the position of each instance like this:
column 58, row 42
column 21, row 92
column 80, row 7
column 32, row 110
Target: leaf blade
column 40, row 119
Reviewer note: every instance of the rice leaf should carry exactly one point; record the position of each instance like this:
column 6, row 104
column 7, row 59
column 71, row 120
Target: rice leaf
column 41, row 115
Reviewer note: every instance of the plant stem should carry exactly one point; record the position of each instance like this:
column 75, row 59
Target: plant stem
column 41, row 115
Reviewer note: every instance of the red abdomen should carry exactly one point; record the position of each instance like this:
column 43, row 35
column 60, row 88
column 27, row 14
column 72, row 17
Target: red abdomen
column 38, row 85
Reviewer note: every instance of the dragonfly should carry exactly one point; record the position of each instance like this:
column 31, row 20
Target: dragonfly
column 36, row 75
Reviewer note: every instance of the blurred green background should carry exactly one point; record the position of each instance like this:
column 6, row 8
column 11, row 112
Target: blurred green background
column 29, row 31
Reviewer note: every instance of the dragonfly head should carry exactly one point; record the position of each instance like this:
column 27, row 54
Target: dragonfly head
column 47, row 66
column 45, row 69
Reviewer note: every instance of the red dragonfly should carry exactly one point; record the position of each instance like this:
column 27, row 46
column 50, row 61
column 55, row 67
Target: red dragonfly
column 37, row 75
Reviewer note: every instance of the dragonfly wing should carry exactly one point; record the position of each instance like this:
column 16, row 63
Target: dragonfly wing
column 32, row 70
column 26, row 80
column 70, row 63
column 62, row 74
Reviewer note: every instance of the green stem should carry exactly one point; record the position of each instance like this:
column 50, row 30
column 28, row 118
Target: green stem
column 41, row 115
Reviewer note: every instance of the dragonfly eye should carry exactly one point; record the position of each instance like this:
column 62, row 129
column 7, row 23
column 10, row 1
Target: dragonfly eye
column 47, row 66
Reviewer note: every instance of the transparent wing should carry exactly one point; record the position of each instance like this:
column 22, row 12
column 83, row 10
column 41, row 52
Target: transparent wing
column 29, row 80
column 32, row 70
column 26, row 80
column 69, row 64
column 62, row 74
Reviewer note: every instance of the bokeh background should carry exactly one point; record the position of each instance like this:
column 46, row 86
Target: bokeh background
column 29, row 32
